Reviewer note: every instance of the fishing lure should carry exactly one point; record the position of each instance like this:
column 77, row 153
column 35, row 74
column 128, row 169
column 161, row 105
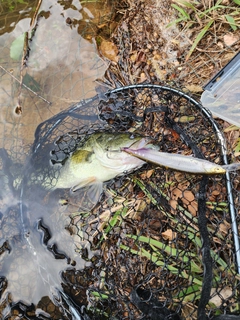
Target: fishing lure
column 181, row 162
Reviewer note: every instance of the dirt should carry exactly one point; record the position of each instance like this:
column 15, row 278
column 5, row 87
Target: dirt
column 149, row 50
column 143, row 48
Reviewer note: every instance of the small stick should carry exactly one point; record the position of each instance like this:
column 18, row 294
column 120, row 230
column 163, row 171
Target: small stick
column 36, row 94
column 18, row 109
column 35, row 13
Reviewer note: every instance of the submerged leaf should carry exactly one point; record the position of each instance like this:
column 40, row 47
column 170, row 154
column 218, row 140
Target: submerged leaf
column 31, row 83
column 17, row 48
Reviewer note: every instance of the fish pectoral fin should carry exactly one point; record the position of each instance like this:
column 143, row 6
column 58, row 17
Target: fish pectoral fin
column 94, row 192
column 88, row 194
column 83, row 183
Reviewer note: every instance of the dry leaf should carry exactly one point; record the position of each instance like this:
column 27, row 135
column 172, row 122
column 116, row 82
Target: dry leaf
column 215, row 192
column 186, row 196
column 193, row 208
column 173, row 204
column 229, row 39
column 169, row 235
column 142, row 78
column 109, row 50
column 194, row 88
column 217, row 240
column 217, row 297
column 147, row 174
column 133, row 56
column 224, row 228
column 176, row 193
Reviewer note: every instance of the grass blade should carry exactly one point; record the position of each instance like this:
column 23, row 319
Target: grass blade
column 183, row 13
column 199, row 38
column 231, row 21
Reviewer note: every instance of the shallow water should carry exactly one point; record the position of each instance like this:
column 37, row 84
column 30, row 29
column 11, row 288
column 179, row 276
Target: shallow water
column 62, row 67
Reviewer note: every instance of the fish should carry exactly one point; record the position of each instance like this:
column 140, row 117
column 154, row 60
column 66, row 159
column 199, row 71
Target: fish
column 98, row 160
column 180, row 162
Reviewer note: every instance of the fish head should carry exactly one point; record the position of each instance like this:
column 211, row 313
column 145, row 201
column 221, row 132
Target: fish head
column 108, row 150
column 117, row 141
column 216, row 170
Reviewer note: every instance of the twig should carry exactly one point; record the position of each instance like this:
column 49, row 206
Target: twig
column 18, row 109
column 25, row 55
column 35, row 13
column 36, row 94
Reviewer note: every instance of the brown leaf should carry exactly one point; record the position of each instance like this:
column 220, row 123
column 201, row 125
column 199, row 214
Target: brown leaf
column 176, row 193
column 173, row 204
column 188, row 196
column 224, row 228
column 194, row 88
column 229, row 39
column 109, row 50
column 217, row 296
column 169, row 235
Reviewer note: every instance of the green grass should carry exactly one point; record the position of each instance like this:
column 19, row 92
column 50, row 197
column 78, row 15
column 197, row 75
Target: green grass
column 191, row 16
column 186, row 264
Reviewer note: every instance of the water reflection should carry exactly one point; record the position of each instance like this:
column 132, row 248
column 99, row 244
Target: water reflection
column 62, row 67
column 11, row 12
column 31, row 261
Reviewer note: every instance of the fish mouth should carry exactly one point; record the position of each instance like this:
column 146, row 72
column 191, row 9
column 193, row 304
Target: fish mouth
column 134, row 145
column 141, row 143
column 138, row 144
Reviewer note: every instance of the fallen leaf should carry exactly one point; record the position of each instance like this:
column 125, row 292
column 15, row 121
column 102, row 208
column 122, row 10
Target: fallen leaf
column 229, row 39
column 218, row 296
column 169, row 235
column 186, row 196
column 194, row 88
column 174, row 134
column 109, row 50
column 224, row 228
column 176, row 193
column 147, row 174
column 193, row 208
column 220, row 44
column 142, row 78
column 173, row 204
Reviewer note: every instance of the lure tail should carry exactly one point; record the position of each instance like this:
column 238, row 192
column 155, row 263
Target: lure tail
column 232, row 167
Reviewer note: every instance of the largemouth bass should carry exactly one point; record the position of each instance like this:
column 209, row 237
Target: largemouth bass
column 180, row 162
column 100, row 159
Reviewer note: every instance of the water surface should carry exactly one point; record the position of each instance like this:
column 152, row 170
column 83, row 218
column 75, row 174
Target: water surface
column 62, row 67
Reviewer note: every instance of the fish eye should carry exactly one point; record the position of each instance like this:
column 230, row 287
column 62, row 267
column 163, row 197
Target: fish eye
column 219, row 170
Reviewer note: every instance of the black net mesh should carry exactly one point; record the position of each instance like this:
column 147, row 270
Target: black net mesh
column 155, row 243
column 159, row 244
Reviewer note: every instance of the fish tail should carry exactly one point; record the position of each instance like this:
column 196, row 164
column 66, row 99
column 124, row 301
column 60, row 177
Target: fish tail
column 232, row 167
